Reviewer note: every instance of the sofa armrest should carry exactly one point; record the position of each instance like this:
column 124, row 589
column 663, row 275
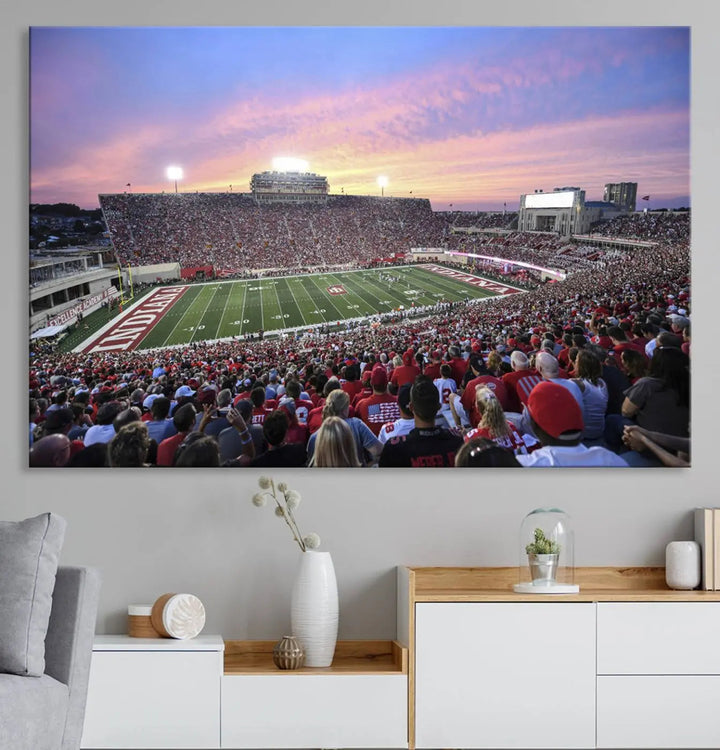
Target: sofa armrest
column 68, row 645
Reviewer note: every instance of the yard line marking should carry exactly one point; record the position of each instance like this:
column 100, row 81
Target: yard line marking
column 323, row 295
column 302, row 314
column 360, row 298
column 202, row 317
column 222, row 317
column 262, row 308
column 182, row 317
column 242, row 314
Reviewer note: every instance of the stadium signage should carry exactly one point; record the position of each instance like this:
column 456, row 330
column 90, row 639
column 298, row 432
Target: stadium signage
column 491, row 286
column 138, row 321
column 69, row 315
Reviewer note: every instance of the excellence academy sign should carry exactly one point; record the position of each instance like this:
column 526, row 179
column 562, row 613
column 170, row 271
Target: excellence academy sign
column 132, row 327
column 491, row 286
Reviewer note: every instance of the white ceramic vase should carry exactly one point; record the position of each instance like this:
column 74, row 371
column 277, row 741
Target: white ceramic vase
column 314, row 608
column 682, row 565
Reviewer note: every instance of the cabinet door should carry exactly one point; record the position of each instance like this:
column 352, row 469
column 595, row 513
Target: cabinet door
column 497, row 675
column 153, row 699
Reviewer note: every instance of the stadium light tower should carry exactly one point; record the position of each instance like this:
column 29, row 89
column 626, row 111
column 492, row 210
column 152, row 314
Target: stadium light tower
column 383, row 182
column 174, row 173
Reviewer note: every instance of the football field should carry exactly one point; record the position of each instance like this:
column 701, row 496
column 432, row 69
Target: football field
column 179, row 315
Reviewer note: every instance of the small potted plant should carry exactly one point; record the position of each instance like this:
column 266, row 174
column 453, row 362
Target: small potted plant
column 543, row 555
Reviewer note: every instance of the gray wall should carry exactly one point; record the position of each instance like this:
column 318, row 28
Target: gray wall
column 157, row 531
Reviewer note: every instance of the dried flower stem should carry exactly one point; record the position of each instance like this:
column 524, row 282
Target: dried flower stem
column 287, row 514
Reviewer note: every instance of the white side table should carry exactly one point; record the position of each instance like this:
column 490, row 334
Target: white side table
column 154, row 693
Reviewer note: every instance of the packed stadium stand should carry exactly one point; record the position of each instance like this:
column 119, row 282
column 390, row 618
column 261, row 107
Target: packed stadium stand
column 234, row 233
column 627, row 288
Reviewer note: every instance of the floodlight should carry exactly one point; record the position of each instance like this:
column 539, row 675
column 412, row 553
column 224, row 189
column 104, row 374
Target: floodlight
column 382, row 181
column 174, row 173
column 289, row 164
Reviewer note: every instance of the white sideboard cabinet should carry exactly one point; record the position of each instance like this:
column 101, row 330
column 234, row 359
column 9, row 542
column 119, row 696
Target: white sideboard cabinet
column 154, row 693
column 625, row 663
column 207, row 693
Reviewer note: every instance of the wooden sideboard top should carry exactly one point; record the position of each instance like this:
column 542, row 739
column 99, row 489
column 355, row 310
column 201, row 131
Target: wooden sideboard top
column 631, row 584
column 351, row 657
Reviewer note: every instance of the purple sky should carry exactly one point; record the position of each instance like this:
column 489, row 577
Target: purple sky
column 468, row 116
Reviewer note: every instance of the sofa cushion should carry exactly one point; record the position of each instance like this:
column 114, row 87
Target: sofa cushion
column 29, row 552
column 32, row 712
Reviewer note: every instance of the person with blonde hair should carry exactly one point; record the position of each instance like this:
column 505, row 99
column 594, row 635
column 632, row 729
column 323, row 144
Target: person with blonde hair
column 368, row 447
column 334, row 445
column 494, row 426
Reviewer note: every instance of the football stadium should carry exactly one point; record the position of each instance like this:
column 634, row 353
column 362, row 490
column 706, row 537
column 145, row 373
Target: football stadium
column 289, row 326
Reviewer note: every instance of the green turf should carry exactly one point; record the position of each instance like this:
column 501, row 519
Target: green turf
column 224, row 309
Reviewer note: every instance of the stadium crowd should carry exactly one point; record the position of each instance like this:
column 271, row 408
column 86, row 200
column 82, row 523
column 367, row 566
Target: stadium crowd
column 592, row 371
column 231, row 232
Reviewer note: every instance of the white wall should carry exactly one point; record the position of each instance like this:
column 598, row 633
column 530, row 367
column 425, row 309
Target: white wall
column 158, row 531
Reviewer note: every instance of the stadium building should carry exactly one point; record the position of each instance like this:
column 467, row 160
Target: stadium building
column 289, row 187
column 622, row 194
column 66, row 285
column 566, row 212
column 562, row 211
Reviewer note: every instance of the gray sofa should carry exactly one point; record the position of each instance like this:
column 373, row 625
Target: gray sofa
column 47, row 712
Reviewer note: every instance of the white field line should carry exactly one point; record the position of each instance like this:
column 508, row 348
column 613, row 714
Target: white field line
column 217, row 330
column 296, row 302
column 222, row 317
column 182, row 317
column 359, row 298
column 349, row 270
column 324, row 295
column 242, row 314
column 262, row 309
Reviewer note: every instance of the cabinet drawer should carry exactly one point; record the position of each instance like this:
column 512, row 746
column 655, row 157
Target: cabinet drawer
column 658, row 712
column 658, row 638
column 153, row 700
column 301, row 710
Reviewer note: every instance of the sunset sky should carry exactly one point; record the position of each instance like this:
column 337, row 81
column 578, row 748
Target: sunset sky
column 467, row 116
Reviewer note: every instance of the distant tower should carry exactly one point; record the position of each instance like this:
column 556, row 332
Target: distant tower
column 622, row 194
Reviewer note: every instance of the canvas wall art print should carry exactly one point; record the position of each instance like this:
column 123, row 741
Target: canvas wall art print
column 404, row 247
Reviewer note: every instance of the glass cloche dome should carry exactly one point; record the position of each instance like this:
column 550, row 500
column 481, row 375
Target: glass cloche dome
column 546, row 553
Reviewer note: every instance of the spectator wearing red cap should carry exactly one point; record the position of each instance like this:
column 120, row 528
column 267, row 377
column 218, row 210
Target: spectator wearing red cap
column 558, row 424
column 381, row 407
column 407, row 371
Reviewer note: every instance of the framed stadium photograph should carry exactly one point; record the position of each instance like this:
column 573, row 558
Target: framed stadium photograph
column 393, row 247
